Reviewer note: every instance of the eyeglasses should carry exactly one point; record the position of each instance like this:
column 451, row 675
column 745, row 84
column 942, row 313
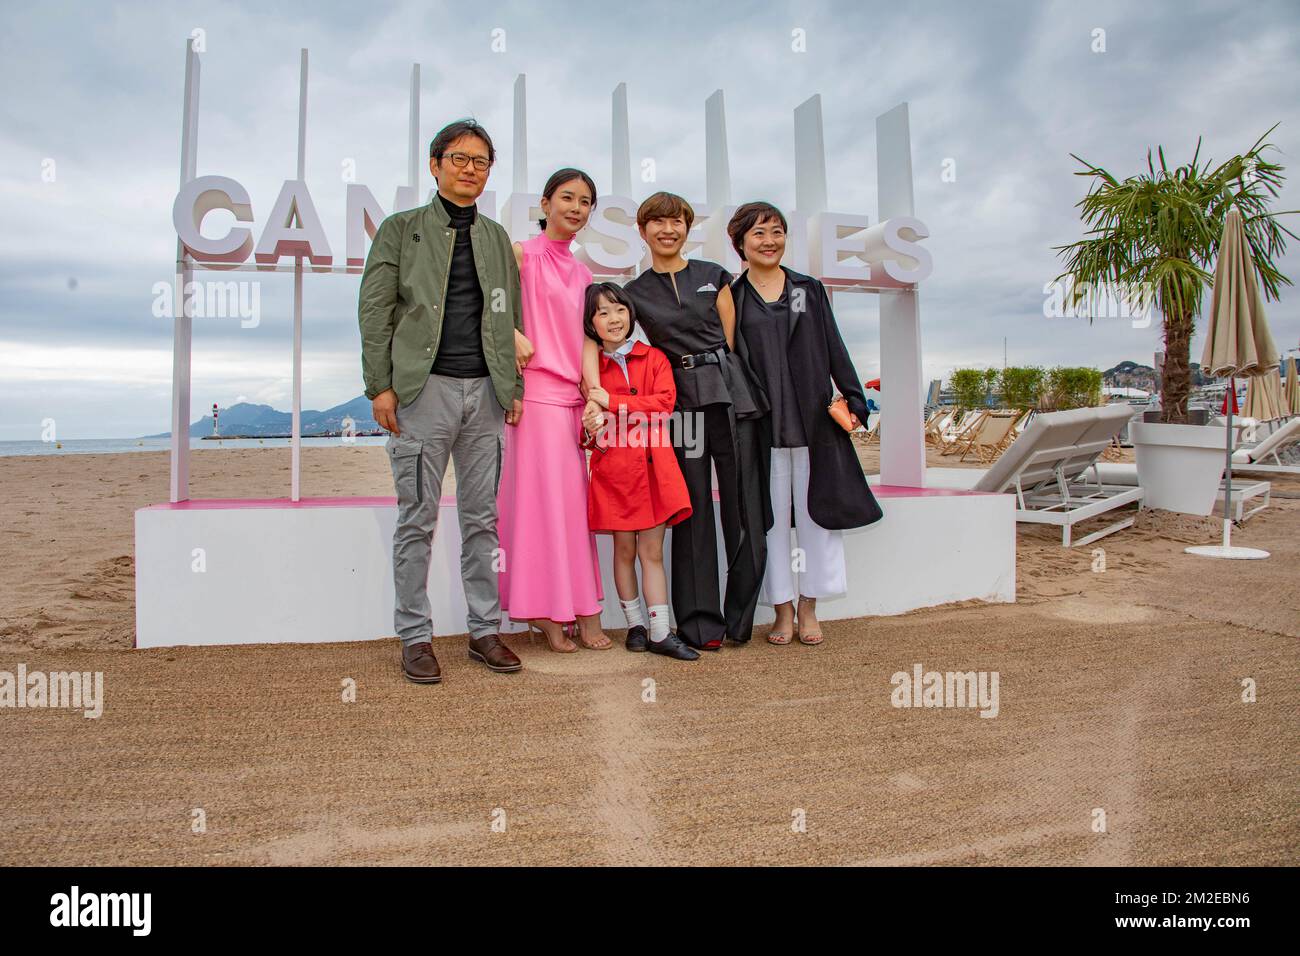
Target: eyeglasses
column 461, row 160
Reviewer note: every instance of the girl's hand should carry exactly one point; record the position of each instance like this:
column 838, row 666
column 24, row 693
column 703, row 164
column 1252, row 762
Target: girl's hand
column 592, row 417
column 524, row 351
column 598, row 395
column 853, row 420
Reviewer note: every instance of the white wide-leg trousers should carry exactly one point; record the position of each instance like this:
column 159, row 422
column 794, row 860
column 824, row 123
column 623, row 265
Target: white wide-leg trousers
column 817, row 563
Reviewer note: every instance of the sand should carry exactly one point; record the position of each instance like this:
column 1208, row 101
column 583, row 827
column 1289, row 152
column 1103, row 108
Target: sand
column 1120, row 692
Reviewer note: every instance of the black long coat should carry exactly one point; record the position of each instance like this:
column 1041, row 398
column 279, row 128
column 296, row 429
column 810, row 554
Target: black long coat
column 838, row 494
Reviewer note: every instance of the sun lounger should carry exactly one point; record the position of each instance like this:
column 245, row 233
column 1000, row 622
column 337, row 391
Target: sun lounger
column 1256, row 458
column 1243, row 490
column 1044, row 468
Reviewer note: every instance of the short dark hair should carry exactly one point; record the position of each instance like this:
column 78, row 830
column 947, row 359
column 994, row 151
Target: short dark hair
column 746, row 218
column 562, row 176
column 664, row 205
column 454, row 131
column 614, row 293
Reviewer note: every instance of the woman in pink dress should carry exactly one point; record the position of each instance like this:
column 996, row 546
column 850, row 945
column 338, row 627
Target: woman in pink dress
column 550, row 573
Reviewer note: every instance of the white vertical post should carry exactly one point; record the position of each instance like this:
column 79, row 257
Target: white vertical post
column 809, row 184
column 413, row 135
column 902, row 443
column 182, row 322
column 520, row 171
column 296, row 435
column 408, row 196
column 620, row 145
column 717, row 164
column 809, row 157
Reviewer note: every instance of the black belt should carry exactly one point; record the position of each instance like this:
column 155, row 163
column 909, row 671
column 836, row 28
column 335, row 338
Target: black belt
column 701, row 358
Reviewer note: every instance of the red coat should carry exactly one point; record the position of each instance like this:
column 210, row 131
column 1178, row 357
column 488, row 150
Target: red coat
column 636, row 483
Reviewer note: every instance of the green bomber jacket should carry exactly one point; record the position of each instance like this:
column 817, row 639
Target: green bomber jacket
column 403, row 296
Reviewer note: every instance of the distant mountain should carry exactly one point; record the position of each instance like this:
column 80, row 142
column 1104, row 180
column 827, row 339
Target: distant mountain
column 1130, row 375
column 1133, row 375
column 259, row 421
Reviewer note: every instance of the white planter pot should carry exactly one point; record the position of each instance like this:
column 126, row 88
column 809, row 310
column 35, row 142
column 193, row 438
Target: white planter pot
column 1179, row 466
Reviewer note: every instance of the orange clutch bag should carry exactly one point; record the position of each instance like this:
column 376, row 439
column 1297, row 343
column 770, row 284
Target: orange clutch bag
column 839, row 411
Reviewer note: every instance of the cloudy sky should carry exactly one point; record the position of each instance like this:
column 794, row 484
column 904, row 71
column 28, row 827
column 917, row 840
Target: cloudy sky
column 1000, row 94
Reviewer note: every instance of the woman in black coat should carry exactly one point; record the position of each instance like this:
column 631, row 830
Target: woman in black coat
column 786, row 331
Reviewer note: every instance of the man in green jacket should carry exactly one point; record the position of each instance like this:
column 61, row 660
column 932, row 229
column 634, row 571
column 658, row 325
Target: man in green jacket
column 439, row 309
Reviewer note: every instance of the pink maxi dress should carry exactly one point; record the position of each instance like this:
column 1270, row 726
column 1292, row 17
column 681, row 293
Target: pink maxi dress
column 550, row 569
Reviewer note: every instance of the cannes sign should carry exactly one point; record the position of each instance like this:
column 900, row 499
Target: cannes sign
column 843, row 250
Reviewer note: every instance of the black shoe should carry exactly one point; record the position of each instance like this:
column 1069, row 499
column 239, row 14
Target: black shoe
column 636, row 638
column 674, row 646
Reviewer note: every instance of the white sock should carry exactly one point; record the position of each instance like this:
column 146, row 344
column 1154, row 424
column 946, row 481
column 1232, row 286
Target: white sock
column 658, row 622
column 632, row 611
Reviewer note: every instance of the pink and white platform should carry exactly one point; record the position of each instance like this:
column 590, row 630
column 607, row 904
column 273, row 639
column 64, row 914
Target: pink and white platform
column 254, row 571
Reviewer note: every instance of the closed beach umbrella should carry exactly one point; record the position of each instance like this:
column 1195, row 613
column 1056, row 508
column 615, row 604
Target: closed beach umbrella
column 1292, row 387
column 1237, row 342
column 1264, row 400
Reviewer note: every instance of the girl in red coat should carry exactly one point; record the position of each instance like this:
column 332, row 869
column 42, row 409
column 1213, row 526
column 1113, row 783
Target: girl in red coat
column 636, row 488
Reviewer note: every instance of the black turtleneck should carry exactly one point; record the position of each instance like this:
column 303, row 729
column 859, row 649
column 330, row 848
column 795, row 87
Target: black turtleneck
column 460, row 349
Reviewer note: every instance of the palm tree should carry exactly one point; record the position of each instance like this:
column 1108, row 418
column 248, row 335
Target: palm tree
column 1159, row 231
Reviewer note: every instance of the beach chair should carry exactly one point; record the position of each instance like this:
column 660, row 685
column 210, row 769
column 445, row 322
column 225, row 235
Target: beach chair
column 931, row 419
column 935, row 426
column 952, row 439
column 992, row 435
column 1256, row 458
column 1018, row 428
column 1044, row 468
column 872, row 436
column 1114, row 451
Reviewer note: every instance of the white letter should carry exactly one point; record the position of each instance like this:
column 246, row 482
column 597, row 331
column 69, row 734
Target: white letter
column 294, row 228
column 364, row 214
column 199, row 197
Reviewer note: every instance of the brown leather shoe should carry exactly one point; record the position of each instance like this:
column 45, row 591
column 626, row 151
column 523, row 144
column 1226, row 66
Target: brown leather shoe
column 494, row 654
column 419, row 664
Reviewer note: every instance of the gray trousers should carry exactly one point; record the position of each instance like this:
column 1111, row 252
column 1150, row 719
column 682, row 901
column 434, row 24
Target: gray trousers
column 458, row 418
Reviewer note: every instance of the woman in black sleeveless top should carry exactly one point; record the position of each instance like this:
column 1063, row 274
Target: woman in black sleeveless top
column 685, row 308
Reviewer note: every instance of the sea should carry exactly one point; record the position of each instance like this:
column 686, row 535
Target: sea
column 113, row 446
